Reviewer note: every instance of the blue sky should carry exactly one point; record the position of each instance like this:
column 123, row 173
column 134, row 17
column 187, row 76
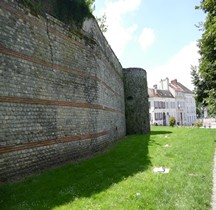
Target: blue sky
column 157, row 35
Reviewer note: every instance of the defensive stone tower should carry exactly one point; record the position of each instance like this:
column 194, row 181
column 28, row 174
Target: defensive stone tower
column 136, row 101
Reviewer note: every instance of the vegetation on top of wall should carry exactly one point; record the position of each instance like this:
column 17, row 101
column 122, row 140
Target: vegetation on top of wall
column 34, row 6
column 68, row 11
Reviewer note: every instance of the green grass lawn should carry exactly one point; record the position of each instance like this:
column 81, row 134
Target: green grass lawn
column 123, row 177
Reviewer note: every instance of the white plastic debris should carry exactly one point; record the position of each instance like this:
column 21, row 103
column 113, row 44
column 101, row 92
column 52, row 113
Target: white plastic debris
column 166, row 145
column 162, row 170
column 137, row 194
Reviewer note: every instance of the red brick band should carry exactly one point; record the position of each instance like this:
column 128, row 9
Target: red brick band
column 32, row 145
column 38, row 61
column 35, row 101
column 54, row 31
column 34, row 60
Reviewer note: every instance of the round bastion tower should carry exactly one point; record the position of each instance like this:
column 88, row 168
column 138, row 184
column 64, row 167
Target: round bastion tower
column 136, row 101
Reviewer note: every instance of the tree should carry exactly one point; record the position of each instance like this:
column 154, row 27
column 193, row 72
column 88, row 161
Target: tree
column 204, row 77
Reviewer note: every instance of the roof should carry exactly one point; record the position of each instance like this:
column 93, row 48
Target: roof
column 175, row 85
column 159, row 93
column 178, row 87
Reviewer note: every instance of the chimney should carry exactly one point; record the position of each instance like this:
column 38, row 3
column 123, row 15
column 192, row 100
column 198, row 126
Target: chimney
column 155, row 89
column 167, row 83
column 161, row 84
column 174, row 82
column 164, row 84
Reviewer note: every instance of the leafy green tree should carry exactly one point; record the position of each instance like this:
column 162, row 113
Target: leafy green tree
column 204, row 77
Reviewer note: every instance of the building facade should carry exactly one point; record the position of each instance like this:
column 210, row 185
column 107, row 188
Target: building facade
column 171, row 99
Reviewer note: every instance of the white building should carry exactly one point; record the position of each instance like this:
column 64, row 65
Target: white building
column 171, row 99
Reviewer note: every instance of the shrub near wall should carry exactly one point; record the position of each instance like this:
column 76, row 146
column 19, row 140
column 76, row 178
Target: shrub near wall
column 61, row 93
column 198, row 124
column 172, row 121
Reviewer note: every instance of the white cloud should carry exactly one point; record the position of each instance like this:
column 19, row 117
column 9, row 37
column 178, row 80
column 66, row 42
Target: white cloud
column 147, row 38
column 119, row 34
column 178, row 67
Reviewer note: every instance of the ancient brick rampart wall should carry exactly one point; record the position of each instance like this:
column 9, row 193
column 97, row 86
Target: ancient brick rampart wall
column 61, row 92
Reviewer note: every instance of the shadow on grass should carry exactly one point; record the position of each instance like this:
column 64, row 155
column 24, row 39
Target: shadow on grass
column 60, row 186
column 160, row 132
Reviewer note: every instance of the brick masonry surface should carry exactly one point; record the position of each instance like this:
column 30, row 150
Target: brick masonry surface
column 61, row 92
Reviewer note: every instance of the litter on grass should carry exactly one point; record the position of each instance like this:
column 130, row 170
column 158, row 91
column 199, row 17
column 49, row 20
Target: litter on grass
column 166, row 145
column 162, row 170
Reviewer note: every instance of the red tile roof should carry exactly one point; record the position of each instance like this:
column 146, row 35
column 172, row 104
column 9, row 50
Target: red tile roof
column 178, row 87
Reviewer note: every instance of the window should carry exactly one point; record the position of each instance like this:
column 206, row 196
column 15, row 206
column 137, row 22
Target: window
column 155, row 116
column 167, row 105
column 156, row 105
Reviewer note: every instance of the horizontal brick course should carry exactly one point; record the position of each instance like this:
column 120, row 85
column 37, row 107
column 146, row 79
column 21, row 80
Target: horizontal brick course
column 13, row 53
column 25, row 146
column 18, row 100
